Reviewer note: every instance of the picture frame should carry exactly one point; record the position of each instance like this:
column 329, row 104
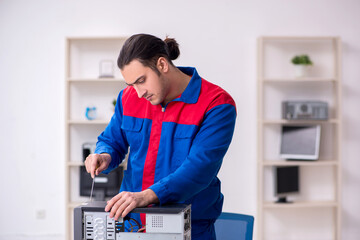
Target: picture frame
column 106, row 69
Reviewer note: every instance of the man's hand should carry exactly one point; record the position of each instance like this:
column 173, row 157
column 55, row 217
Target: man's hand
column 124, row 202
column 96, row 163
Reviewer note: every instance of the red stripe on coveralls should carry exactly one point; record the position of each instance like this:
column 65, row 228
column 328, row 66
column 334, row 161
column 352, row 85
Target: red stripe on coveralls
column 151, row 156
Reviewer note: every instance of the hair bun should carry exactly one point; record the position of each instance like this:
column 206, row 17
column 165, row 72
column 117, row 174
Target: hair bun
column 172, row 48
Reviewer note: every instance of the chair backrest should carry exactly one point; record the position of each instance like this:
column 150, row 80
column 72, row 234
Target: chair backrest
column 234, row 226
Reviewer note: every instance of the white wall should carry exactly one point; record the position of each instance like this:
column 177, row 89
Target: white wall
column 218, row 37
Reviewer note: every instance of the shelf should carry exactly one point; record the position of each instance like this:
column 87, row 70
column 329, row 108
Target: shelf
column 75, row 164
column 88, row 122
column 299, row 38
column 96, row 80
column 301, row 163
column 96, row 38
column 277, row 83
column 312, row 204
column 72, row 205
column 85, row 88
column 297, row 80
column 283, row 121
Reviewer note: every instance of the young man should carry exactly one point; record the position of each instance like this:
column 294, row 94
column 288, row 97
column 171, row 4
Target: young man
column 178, row 127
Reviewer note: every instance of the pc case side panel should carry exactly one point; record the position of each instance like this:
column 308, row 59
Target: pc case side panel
column 78, row 223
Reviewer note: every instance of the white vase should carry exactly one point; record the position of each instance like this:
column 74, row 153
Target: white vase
column 301, row 70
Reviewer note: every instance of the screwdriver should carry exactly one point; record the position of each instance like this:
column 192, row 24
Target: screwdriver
column 92, row 189
column 92, row 186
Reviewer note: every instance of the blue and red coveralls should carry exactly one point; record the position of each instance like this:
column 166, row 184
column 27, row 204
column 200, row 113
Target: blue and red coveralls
column 176, row 150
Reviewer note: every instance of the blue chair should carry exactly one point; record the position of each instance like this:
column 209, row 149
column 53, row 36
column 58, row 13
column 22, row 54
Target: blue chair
column 233, row 226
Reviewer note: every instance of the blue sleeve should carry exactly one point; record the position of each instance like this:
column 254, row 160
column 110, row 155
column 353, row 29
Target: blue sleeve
column 204, row 159
column 113, row 140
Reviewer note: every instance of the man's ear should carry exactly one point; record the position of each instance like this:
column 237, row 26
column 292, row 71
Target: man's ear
column 162, row 65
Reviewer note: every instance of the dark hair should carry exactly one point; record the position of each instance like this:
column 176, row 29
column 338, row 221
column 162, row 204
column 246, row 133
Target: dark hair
column 147, row 49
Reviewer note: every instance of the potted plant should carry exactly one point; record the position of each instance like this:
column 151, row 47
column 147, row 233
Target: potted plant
column 302, row 63
column 114, row 104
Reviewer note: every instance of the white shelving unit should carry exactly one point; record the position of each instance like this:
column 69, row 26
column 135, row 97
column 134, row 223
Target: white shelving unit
column 84, row 88
column 316, row 211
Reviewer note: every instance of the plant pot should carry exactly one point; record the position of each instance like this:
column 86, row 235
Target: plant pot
column 301, row 70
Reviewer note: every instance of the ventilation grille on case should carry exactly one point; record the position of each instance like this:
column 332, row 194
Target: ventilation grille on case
column 157, row 221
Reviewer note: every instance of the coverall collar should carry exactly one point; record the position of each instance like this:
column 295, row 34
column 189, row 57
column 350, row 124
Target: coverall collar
column 192, row 91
